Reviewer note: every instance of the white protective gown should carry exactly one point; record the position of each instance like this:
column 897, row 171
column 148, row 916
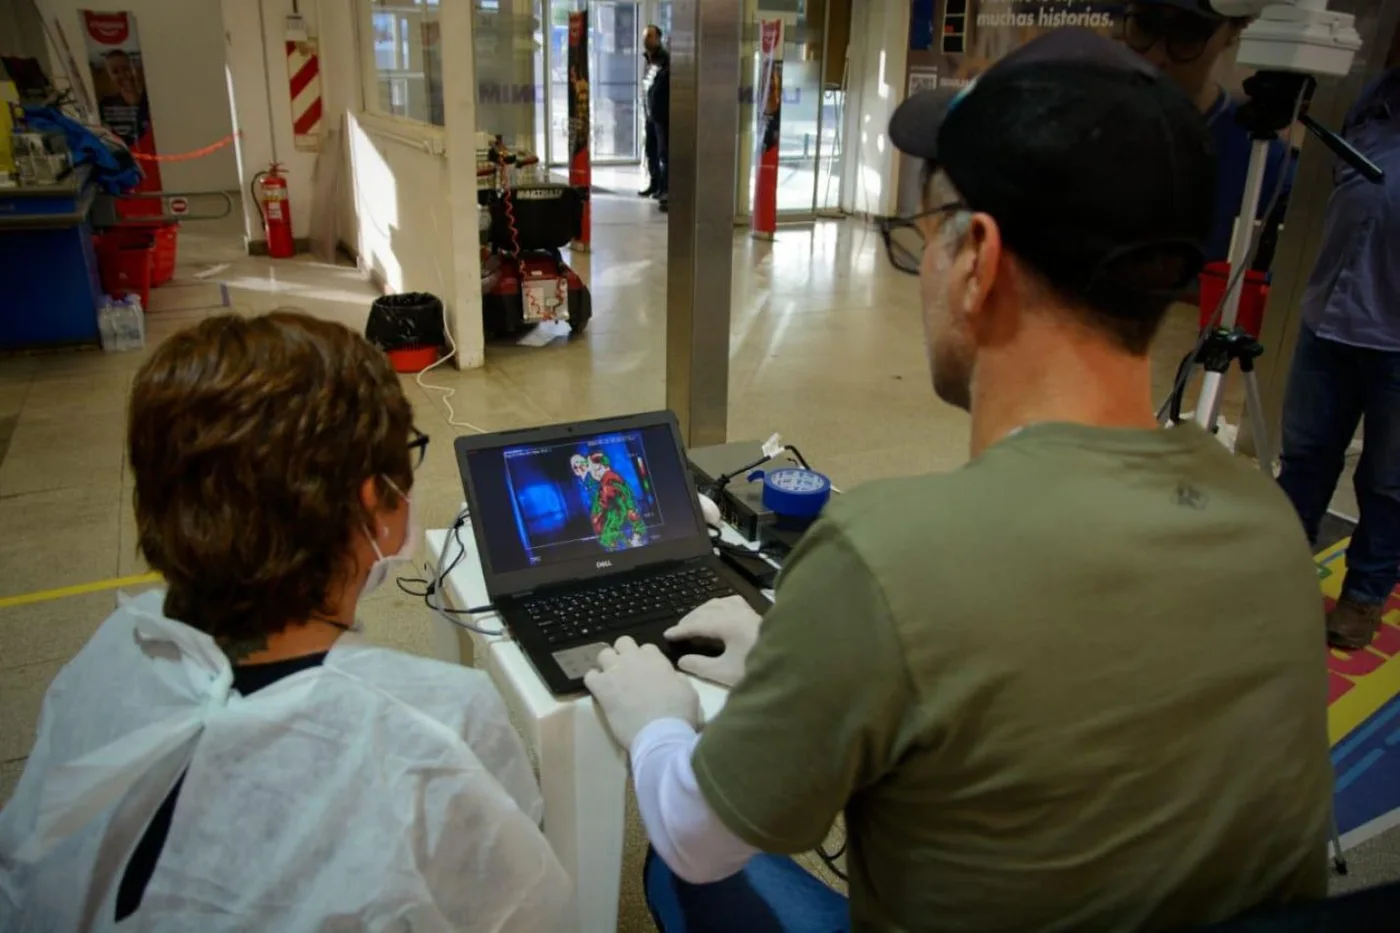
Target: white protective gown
column 380, row 791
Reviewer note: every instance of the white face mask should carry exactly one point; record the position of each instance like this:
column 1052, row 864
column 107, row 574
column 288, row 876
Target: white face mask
column 385, row 563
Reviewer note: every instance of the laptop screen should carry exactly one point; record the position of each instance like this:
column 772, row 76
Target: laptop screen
column 545, row 504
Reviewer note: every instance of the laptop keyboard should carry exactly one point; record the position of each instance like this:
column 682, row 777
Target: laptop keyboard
column 604, row 612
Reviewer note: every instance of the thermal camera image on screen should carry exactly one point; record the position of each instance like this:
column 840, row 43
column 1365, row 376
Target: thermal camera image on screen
column 597, row 491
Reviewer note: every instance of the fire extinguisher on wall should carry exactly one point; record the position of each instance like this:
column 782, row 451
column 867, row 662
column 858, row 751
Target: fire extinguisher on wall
column 270, row 195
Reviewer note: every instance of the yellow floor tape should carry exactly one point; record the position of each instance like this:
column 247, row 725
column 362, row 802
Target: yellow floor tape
column 43, row 596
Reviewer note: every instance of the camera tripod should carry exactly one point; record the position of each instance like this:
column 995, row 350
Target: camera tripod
column 1276, row 99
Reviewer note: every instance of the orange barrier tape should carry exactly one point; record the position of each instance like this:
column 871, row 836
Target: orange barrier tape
column 186, row 156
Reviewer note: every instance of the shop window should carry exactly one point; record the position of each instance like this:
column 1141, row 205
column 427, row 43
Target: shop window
column 403, row 64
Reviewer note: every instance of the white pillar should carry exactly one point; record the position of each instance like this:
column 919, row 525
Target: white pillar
column 459, row 111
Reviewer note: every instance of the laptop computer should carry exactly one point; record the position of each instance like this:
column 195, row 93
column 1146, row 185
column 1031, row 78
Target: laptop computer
column 588, row 532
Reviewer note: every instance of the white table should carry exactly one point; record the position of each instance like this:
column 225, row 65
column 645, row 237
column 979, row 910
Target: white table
column 583, row 773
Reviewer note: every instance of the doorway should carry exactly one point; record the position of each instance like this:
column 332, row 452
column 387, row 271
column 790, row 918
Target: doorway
column 810, row 144
column 615, row 81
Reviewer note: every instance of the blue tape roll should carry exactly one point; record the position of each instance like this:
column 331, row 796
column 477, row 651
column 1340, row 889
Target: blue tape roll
column 795, row 493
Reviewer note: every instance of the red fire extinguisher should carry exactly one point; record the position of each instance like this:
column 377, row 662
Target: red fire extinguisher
column 270, row 195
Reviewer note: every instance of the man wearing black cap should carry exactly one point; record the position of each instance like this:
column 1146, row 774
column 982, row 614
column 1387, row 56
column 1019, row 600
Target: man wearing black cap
column 1187, row 39
column 1078, row 684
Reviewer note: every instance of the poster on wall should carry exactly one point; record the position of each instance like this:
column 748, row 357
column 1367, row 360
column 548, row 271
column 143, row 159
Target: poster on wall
column 969, row 36
column 119, row 82
column 580, row 126
column 770, row 117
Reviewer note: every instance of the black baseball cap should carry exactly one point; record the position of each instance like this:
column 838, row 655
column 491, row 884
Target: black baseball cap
column 1098, row 170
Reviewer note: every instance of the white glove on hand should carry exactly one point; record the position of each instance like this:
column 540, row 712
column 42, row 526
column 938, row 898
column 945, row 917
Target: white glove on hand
column 730, row 620
column 637, row 686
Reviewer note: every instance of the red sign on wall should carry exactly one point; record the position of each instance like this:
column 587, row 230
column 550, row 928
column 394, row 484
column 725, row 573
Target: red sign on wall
column 107, row 28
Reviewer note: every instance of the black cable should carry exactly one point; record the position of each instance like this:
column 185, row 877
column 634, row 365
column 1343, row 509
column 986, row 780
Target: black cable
column 829, row 859
column 726, row 478
column 801, row 460
column 429, row 588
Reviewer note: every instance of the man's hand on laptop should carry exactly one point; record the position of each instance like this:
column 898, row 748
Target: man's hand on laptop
column 637, row 686
column 730, row 620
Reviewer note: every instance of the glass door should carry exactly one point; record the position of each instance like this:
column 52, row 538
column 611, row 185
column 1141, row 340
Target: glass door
column 615, row 80
column 809, row 139
column 615, row 55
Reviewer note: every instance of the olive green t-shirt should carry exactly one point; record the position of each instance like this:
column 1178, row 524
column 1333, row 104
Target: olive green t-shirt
column 1078, row 684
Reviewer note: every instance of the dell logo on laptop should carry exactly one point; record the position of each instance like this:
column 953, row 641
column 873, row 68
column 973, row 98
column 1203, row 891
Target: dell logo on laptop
column 603, row 564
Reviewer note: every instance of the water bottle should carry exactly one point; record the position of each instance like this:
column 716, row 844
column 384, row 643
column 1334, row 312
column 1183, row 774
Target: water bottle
column 106, row 325
column 133, row 329
column 121, row 325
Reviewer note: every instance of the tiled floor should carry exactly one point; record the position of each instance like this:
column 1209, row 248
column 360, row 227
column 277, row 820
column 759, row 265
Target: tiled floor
column 825, row 347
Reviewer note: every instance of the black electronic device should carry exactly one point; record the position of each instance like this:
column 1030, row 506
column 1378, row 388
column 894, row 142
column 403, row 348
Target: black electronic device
column 778, row 540
column 721, row 472
column 751, row 565
column 590, row 531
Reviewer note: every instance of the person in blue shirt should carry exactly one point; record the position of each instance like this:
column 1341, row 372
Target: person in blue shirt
column 1347, row 366
column 1186, row 39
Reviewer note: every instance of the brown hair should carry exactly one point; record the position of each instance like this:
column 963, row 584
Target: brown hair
column 250, row 439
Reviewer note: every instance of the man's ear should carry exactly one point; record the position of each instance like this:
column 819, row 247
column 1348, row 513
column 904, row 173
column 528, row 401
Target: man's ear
column 983, row 245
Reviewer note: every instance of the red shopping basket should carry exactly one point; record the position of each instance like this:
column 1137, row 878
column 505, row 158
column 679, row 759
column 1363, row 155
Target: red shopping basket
column 164, row 238
column 124, row 262
column 1255, row 295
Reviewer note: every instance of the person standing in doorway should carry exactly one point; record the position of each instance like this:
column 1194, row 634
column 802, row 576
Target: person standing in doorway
column 658, row 107
column 1347, row 366
column 652, row 53
column 1187, row 39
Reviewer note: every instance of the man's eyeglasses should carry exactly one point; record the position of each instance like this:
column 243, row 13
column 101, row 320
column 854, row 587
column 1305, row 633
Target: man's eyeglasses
column 905, row 242
column 1185, row 34
column 417, row 447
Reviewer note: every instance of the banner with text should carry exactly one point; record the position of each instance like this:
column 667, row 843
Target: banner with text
column 119, row 81
column 969, row 36
column 770, row 117
column 580, row 126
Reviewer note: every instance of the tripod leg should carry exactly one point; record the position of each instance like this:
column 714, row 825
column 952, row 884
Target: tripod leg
column 1208, row 405
column 1255, row 406
column 1339, row 859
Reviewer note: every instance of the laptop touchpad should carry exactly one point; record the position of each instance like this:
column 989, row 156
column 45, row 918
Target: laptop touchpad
column 575, row 662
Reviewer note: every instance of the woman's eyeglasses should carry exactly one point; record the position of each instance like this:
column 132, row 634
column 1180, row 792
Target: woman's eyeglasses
column 417, row 447
column 1185, row 34
column 904, row 240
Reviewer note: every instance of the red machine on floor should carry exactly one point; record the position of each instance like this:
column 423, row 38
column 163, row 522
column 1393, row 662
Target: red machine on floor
column 524, row 279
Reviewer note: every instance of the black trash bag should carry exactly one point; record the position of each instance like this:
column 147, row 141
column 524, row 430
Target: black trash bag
column 400, row 322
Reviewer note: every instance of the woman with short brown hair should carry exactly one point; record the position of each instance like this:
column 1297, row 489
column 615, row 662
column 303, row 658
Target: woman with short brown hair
column 228, row 753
